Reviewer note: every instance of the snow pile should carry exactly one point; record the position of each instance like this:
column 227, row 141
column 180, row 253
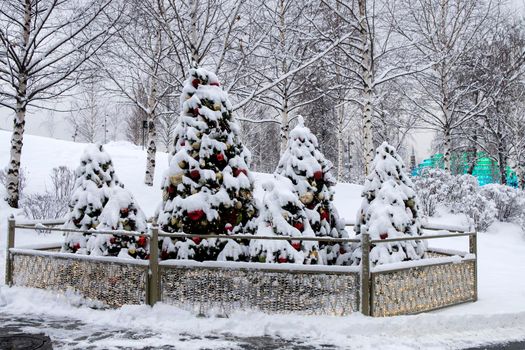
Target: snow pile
column 122, row 213
column 389, row 210
column 95, row 178
column 509, row 202
column 208, row 187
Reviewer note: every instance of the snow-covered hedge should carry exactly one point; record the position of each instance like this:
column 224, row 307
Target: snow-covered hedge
column 461, row 194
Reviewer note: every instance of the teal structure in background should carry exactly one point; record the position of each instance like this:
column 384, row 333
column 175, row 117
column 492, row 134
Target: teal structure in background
column 485, row 169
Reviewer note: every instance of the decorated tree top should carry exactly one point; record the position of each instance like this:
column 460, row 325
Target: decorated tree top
column 208, row 187
column 389, row 210
column 304, row 164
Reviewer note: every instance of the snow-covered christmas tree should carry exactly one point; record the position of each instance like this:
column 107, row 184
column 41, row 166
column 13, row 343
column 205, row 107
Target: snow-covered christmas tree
column 283, row 215
column 208, row 187
column 95, row 178
column 389, row 210
column 122, row 213
column 309, row 171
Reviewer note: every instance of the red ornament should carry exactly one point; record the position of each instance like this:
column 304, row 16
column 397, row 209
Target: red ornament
column 342, row 250
column 220, row 157
column 383, row 236
column 299, row 225
column 195, row 83
column 142, row 241
column 282, row 259
column 215, row 84
column 196, row 214
column 228, row 227
column 124, row 211
column 164, row 255
column 296, row 245
column 112, row 240
column 237, row 172
column 325, row 215
column 76, row 247
column 195, row 174
column 171, row 189
column 196, row 240
column 195, row 112
column 318, row 175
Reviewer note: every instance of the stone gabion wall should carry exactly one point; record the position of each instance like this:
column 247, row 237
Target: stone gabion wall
column 419, row 289
column 221, row 291
column 111, row 283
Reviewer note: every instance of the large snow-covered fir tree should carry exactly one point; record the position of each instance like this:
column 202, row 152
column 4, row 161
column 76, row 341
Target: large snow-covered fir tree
column 309, row 171
column 121, row 212
column 208, row 187
column 284, row 215
column 95, row 178
column 389, row 210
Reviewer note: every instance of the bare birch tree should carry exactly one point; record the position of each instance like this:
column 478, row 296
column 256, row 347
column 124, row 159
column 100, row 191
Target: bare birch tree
column 43, row 43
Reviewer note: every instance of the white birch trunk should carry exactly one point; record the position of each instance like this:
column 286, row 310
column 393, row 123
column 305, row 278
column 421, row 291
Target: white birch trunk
column 152, row 136
column 366, row 70
column 447, row 150
column 17, row 138
column 285, row 126
column 194, row 5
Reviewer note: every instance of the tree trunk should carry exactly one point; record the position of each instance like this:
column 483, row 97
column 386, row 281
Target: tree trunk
column 340, row 144
column 447, row 146
column 502, row 164
column 17, row 138
column 368, row 109
column 13, row 172
column 194, row 5
column 285, row 126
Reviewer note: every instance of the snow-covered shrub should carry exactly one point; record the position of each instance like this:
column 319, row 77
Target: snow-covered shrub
column 509, row 202
column 432, row 187
column 121, row 212
column 95, row 178
column 465, row 197
column 312, row 183
column 389, row 210
column 283, row 215
column 52, row 204
column 208, row 187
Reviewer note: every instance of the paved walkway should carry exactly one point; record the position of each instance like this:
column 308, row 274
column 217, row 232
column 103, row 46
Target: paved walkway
column 74, row 334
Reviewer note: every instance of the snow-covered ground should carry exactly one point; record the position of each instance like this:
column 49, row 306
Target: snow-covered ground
column 499, row 315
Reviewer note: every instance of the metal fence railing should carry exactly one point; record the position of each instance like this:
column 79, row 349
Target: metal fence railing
column 154, row 233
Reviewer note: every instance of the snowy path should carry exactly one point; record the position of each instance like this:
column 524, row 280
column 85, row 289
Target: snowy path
column 67, row 333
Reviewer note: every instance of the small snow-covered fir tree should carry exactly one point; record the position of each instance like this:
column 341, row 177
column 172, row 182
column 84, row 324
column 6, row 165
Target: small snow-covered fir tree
column 208, row 187
column 95, row 178
column 121, row 212
column 309, row 171
column 389, row 210
column 283, row 215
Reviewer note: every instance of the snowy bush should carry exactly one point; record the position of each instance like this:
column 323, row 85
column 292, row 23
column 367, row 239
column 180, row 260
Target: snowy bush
column 432, row 187
column 509, row 202
column 389, row 210
column 465, row 198
column 52, row 204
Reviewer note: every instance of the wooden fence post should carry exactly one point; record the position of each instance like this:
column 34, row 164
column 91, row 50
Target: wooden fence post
column 365, row 274
column 10, row 244
column 153, row 293
column 473, row 249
